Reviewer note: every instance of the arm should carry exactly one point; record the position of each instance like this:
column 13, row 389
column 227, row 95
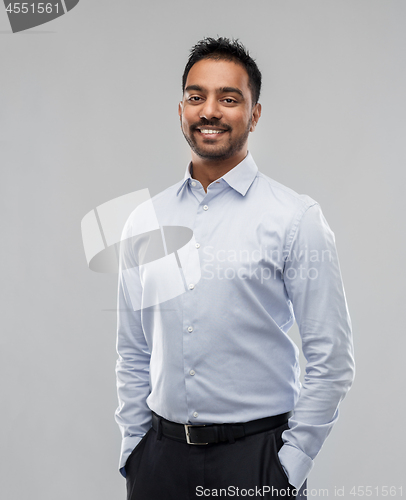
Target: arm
column 314, row 286
column 132, row 369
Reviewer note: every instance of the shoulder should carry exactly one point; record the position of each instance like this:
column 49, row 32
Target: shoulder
column 283, row 195
column 293, row 211
column 144, row 217
column 289, row 205
column 167, row 194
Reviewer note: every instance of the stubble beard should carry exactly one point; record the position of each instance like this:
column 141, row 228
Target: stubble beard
column 220, row 153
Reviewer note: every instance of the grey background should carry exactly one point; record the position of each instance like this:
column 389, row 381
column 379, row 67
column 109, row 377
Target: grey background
column 89, row 112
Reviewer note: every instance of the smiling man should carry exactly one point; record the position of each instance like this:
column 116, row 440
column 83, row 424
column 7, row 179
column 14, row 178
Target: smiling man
column 210, row 401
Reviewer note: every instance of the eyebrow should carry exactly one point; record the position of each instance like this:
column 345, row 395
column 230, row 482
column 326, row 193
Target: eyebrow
column 221, row 90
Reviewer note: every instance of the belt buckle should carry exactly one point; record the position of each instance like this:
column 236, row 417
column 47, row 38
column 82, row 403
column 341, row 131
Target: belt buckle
column 186, row 426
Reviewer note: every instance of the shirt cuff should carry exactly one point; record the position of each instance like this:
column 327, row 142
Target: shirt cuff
column 127, row 446
column 296, row 464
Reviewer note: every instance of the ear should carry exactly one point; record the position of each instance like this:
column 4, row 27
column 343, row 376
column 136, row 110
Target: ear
column 256, row 113
column 180, row 108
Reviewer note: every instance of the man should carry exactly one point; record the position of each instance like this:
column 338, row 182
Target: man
column 210, row 402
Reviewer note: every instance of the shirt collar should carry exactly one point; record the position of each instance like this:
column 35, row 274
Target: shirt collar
column 239, row 178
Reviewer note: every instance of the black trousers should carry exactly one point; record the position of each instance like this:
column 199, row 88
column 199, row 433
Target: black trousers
column 160, row 468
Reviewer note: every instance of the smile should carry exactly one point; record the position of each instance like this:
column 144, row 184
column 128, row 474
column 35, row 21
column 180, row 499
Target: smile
column 210, row 131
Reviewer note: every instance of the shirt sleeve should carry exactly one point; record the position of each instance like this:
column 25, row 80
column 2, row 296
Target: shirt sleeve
column 314, row 286
column 132, row 368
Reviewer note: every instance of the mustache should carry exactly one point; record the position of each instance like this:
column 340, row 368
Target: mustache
column 208, row 123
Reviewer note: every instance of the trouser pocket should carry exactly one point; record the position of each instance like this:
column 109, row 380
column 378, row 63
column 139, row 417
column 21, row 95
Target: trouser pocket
column 279, row 478
column 132, row 464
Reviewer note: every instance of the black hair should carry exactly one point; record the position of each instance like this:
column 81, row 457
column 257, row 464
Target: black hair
column 229, row 50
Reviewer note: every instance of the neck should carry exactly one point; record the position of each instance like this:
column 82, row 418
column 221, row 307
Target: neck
column 207, row 171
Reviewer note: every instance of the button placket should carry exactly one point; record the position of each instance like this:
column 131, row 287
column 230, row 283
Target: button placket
column 191, row 339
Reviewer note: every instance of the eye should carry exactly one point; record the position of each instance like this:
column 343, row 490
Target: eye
column 194, row 98
column 228, row 100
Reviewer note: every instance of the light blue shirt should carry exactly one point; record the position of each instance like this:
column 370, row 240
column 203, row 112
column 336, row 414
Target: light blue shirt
column 261, row 257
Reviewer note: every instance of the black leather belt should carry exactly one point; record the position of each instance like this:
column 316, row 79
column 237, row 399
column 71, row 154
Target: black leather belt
column 215, row 433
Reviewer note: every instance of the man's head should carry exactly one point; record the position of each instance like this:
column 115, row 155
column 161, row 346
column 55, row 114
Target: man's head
column 221, row 86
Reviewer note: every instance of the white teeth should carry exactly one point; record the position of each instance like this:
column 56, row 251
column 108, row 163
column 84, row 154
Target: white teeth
column 208, row 131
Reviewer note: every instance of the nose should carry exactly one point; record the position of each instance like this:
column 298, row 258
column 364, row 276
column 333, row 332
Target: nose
column 211, row 109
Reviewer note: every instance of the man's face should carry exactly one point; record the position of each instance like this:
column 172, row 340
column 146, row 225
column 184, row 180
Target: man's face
column 216, row 112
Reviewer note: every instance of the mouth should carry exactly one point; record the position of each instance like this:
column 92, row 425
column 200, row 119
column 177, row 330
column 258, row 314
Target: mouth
column 210, row 132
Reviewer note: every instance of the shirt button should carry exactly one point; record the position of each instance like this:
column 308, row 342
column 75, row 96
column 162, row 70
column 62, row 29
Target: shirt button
column 195, row 414
column 191, row 286
column 193, row 183
column 192, row 372
column 197, row 245
column 205, row 207
column 190, row 329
